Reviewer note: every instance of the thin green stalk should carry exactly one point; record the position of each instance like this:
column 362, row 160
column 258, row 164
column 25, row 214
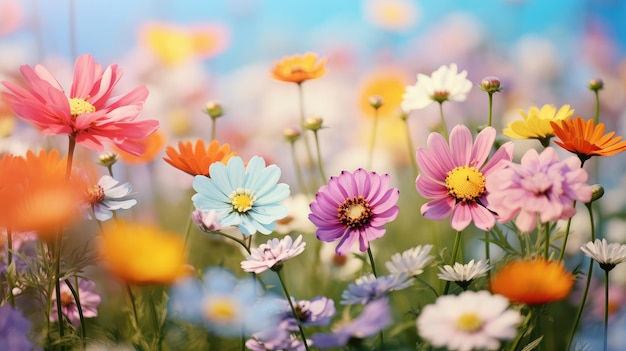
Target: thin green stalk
column 213, row 127
column 606, row 308
column 444, row 127
column 298, row 170
column 133, row 304
column 83, row 327
column 187, row 232
column 155, row 323
column 302, row 125
column 489, row 121
column 455, row 250
column 596, row 115
column 567, row 228
column 57, row 284
column 293, row 309
column 411, row 148
column 546, row 247
column 579, row 313
column 487, row 252
column 9, row 261
column 319, row 158
column 430, row 287
column 372, row 140
column 371, row 257
column 240, row 242
column 522, row 329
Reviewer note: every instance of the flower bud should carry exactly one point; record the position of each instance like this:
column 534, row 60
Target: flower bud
column 313, row 123
column 213, row 109
column 596, row 84
column 375, row 101
column 107, row 159
column 292, row 134
column 490, row 84
column 597, row 191
column 403, row 115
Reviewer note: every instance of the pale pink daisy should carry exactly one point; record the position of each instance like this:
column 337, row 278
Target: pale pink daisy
column 90, row 112
column 540, row 187
column 272, row 254
column 454, row 176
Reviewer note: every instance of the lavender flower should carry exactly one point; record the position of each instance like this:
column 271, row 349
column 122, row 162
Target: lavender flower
column 14, row 329
column 368, row 288
column 315, row 312
column 278, row 339
column 89, row 301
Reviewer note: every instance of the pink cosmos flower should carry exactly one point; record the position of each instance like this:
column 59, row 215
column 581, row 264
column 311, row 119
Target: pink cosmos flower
column 273, row 254
column 454, row 176
column 354, row 206
column 90, row 113
column 540, row 186
column 89, row 301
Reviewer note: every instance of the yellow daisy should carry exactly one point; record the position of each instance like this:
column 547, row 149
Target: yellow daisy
column 536, row 123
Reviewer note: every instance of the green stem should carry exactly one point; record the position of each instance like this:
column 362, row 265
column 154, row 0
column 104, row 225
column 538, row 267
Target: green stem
column 520, row 334
column 240, row 242
column 187, row 232
column 455, row 250
column 410, row 146
column 213, row 127
column 546, row 246
column 586, row 291
column 567, row 228
column 75, row 293
column 319, row 158
column 155, row 323
column 372, row 140
column 371, row 257
column 9, row 261
column 487, row 252
column 606, row 308
column 489, row 121
column 57, row 284
column 298, row 170
column 302, row 125
column 430, row 287
column 293, row 309
column 133, row 304
column 444, row 127
column 596, row 116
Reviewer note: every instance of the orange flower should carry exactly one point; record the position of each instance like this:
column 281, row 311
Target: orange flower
column 143, row 254
column 533, row 282
column 196, row 159
column 153, row 145
column 586, row 139
column 298, row 68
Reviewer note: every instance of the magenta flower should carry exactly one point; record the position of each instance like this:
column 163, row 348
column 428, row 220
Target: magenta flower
column 454, row 176
column 89, row 301
column 89, row 112
column 540, row 186
column 354, row 206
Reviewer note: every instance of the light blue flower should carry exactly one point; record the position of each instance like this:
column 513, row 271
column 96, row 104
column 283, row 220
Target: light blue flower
column 108, row 196
column 224, row 304
column 244, row 196
column 368, row 288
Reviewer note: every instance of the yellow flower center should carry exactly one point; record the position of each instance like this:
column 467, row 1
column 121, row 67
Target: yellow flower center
column 242, row 200
column 469, row 322
column 220, row 309
column 465, row 183
column 79, row 106
column 94, row 194
column 296, row 69
column 354, row 212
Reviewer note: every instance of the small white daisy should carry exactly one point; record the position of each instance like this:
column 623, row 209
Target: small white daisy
column 607, row 255
column 468, row 321
column 463, row 274
column 411, row 261
column 272, row 254
column 444, row 84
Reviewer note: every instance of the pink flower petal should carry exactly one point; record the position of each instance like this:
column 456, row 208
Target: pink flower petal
column 438, row 209
column 482, row 217
column 482, row 147
column 461, row 217
column 430, row 189
column 461, row 145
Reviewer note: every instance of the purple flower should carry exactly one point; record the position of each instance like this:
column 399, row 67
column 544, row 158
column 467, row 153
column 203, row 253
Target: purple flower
column 272, row 254
column 14, row 329
column 368, row 287
column 89, row 301
column 454, row 176
column 373, row 319
column 208, row 221
column 275, row 340
column 354, row 206
column 540, row 186
column 315, row 312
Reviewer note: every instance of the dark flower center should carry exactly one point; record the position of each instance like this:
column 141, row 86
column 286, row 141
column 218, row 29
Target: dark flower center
column 303, row 315
column 355, row 212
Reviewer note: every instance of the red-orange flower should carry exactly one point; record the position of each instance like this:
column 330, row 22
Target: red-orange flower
column 298, row 68
column 153, row 145
column 533, row 282
column 196, row 159
column 586, row 139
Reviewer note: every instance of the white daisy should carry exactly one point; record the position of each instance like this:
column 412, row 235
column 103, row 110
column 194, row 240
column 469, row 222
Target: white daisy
column 468, row 321
column 607, row 255
column 272, row 254
column 108, row 196
column 411, row 261
column 463, row 274
column 444, row 84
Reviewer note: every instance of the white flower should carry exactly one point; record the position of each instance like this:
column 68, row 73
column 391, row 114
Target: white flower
column 108, row 196
column 468, row 321
column 273, row 254
column 464, row 272
column 297, row 219
column 444, row 84
column 607, row 255
column 411, row 261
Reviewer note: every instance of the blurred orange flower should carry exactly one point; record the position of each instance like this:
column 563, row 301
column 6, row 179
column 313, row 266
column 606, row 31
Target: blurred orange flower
column 389, row 86
column 533, row 282
column 143, row 254
column 586, row 139
column 196, row 159
column 298, row 68
column 153, row 145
